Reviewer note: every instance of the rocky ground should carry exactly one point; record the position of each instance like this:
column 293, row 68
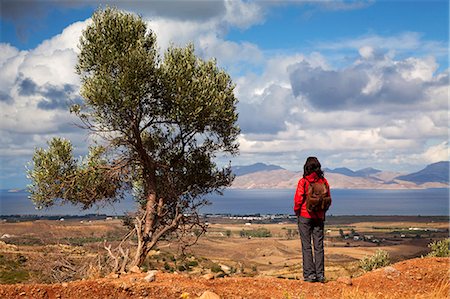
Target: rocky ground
column 416, row 278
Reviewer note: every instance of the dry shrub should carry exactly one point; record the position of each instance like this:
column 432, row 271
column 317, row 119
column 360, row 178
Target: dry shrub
column 93, row 272
column 378, row 260
column 356, row 293
column 440, row 290
column 440, row 248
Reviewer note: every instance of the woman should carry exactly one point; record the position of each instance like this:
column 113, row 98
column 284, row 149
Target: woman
column 311, row 224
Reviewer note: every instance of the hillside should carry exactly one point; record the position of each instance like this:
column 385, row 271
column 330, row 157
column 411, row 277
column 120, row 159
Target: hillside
column 437, row 172
column 416, row 278
column 433, row 176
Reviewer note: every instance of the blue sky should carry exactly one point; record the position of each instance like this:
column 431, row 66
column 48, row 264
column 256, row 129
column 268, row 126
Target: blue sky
column 356, row 83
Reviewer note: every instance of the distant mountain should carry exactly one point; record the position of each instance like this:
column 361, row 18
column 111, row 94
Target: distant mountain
column 262, row 176
column 436, row 172
column 243, row 170
column 348, row 172
column 341, row 170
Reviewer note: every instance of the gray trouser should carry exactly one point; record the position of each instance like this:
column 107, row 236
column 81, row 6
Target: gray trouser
column 312, row 229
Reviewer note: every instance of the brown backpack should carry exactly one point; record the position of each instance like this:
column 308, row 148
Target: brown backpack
column 317, row 197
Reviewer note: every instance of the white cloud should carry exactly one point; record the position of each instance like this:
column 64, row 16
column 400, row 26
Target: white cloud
column 436, row 153
column 229, row 53
column 242, row 14
column 368, row 84
column 402, row 42
column 31, row 78
column 398, row 105
column 431, row 154
column 379, row 108
column 39, row 85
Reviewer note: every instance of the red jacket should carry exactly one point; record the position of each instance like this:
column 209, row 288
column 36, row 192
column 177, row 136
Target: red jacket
column 302, row 186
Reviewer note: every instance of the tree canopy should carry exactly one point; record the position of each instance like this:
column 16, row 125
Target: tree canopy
column 162, row 122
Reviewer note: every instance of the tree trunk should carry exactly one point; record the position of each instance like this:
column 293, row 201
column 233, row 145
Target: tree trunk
column 144, row 230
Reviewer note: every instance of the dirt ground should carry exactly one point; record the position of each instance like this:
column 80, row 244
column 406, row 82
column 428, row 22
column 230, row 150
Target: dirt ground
column 416, row 278
column 267, row 267
column 276, row 256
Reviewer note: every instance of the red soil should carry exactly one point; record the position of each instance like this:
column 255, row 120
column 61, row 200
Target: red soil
column 416, row 278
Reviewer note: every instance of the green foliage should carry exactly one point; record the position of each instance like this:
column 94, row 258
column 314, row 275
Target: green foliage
column 55, row 174
column 379, row 259
column 163, row 121
column 440, row 248
column 168, row 268
column 215, row 268
column 191, row 264
column 256, row 233
column 12, row 269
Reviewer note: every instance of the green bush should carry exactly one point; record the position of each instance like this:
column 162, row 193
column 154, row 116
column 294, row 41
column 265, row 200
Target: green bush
column 439, row 248
column 256, row 233
column 12, row 271
column 378, row 260
column 168, row 268
column 182, row 268
column 215, row 268
column 192, row 264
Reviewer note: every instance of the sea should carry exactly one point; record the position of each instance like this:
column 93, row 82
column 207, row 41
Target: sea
column 426, row 202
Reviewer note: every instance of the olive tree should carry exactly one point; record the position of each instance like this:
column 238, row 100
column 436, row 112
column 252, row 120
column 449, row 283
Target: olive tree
column 162, row 122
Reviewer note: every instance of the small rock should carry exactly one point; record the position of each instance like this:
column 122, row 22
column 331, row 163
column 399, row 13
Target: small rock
column 225, row 268
column 208, row 276
column 345, row 280
column 124, row 286
column 151, row 276
column 135, row 269
column 22, row 294
column 65, row 284
column 112, row 275
column 391, row 271
column 209, row 295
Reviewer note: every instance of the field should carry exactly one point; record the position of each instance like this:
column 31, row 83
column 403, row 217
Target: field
column 52, row 251
column 279, row 254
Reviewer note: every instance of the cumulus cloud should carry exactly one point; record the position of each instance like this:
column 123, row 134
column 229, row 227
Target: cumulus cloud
column 429, row 154
column 369, row 82
column 379, row 107
column 27, row 15
column 38, row 87
column 269, row 115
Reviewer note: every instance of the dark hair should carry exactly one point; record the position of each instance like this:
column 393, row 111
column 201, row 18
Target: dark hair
column 312, row 164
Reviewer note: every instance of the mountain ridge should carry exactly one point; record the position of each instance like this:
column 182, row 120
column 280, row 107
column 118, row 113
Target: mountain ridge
column 436, row 172
column 345, row 178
